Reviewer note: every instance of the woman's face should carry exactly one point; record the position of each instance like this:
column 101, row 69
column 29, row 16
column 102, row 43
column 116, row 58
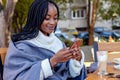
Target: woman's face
column 50, row 21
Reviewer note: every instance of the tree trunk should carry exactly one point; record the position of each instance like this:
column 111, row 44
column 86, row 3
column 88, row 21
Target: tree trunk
column 5, row 21
column 94, row 14
column 88, row 15
column 2, row 30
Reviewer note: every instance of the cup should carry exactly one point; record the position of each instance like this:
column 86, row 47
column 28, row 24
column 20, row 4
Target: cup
column 102, row 62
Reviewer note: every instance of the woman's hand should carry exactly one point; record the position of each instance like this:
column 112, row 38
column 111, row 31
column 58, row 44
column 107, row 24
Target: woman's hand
column 61, row 56
column 77, row 54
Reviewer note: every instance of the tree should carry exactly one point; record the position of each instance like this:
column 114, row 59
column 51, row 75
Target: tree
column 108, row 8
column 91, row 19
column 88, row 17
column 12, row 18
column 5, row 20
column 20, row 15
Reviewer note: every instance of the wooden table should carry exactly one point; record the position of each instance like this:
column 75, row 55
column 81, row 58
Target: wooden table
column 110, row 69
column 112, row 55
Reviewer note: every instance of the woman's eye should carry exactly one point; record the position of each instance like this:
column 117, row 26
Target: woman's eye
column 56, row 18
column 46, row 18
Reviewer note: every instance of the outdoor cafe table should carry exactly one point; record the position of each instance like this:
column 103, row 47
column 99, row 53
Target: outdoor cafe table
column 110, row 69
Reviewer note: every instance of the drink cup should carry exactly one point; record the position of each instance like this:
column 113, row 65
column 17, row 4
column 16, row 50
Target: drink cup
column 102, row 62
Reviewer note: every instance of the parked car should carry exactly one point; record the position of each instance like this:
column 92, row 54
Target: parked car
column 65, row 36
column 116, row 35
column 85, row 37
column 68, row 39
column 106, row 34
column 101, row 29
column 96, row 36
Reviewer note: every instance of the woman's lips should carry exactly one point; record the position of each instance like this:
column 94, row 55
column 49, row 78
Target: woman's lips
column 51, row 28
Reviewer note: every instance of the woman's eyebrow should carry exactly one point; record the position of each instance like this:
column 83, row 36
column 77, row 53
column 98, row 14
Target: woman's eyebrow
column 54, row 15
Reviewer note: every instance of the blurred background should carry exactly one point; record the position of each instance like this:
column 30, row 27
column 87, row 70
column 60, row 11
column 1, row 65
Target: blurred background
column 90, row 20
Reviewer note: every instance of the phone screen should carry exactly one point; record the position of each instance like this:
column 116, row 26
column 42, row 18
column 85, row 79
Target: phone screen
column 77, row 43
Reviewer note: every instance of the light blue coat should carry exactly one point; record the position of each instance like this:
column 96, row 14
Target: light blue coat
column 23, row 62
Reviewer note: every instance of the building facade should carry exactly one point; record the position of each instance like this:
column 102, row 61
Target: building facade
column 73, row 15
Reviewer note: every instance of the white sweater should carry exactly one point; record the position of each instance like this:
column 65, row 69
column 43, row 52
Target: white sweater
column 51, row 42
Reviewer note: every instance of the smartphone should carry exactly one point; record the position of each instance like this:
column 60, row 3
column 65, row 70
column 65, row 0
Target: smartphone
column 77, row 43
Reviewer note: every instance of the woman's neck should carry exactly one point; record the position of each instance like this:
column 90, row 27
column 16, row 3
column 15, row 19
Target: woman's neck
column 46, row 34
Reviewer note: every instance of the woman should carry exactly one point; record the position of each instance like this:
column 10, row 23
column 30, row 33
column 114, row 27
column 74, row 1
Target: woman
column 36, row 53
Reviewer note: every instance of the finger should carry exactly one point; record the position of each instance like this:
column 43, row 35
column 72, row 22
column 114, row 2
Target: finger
column 77, row 58
column 74, row 54
column 69, row 57
column 78, row 52
column 67, row 54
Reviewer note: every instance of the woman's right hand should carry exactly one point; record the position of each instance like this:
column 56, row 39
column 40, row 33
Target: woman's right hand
column 61, row 56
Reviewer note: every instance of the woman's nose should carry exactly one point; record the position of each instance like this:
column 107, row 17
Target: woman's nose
column 52, row 21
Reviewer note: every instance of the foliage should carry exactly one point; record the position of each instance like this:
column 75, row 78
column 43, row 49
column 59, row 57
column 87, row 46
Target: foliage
column 67, row 42
column 3, row 1
column 63, row 1
column 118, row 40
column 20, row 14
column 2, row 4
column 108, row 9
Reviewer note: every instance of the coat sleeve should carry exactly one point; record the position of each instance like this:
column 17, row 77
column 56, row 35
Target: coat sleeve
column 75, row 66
column 21, row 65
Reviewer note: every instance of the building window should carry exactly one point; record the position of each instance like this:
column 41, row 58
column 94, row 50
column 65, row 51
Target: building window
column 74, row 14
column 78, row 13
column 82, row 13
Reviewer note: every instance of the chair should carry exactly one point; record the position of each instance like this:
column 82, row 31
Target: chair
column 88, row 53
column 3, row 52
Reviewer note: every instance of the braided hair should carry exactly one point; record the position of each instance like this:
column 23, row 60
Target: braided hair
column 36, row 15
